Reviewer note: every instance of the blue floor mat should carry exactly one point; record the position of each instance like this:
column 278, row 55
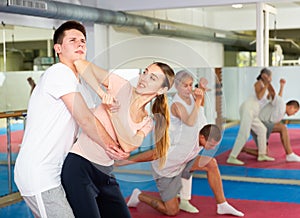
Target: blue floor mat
column 232, row 190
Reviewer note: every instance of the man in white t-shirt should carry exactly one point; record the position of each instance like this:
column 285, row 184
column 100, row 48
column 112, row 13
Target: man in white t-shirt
column 273, row 125
column 56, row 110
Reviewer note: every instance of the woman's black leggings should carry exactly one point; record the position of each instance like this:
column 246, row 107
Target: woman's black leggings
column 90, row 192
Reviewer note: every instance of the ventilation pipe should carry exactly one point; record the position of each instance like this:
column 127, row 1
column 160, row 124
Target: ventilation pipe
column 145, row 25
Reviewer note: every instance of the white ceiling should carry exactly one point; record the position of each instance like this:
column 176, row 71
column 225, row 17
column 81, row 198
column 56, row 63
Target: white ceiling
column 291, row 31
column 138, row 5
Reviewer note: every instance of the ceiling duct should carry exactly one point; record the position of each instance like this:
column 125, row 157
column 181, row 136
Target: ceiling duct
column 145, row 25
column 28, row 4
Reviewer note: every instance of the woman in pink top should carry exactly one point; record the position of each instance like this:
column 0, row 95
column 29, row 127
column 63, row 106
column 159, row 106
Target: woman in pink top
column 91, row 189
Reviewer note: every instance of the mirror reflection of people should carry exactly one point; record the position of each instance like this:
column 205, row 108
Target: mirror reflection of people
column 271, row 115
column 249, row 120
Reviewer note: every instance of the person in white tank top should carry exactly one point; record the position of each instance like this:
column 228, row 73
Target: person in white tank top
column 249, row 120
column 186, row 190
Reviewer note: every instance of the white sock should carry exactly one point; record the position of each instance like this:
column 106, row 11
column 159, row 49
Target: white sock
column 134, row 198
column 292, row 157
column 225, row 208
column 186, row 206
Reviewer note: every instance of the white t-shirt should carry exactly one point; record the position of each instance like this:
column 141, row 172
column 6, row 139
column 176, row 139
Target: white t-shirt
column 49, row 133
column 184, row 142
column 274, row 111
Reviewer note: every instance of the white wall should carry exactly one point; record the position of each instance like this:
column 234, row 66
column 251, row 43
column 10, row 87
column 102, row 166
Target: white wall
column 126, row 48
column 227, row 18
column 15, row 90
column 110, row 48
column 237, row 86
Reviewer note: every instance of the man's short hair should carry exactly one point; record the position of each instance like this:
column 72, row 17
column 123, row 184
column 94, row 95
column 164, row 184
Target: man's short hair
column 60, row 31
column 211, row 131
column 293, row 103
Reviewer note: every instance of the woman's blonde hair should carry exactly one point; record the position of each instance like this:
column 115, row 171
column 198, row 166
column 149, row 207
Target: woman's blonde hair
column 160, row 110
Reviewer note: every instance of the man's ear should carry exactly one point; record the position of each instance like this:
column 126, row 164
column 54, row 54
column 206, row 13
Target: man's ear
column 202, row 140
column 57, row 48
column 162, row 91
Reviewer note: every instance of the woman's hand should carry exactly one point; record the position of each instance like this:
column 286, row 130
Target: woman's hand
column 198, row 95
column 120, row 163
column 266, row 78
column 203, row 82
column 111, row 103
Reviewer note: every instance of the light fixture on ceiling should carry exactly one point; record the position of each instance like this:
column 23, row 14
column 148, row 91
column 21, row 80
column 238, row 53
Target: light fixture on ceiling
column 237, row 5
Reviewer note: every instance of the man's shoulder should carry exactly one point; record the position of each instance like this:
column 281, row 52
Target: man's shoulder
column 57, row 66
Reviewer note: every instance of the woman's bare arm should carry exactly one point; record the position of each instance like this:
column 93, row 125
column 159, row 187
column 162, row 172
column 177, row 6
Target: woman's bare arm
column 93, row 75
column 260, row 89
column 179, row 111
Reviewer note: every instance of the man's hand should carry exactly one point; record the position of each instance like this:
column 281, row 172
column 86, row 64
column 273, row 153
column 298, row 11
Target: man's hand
column 117, row 153
column 282, row 81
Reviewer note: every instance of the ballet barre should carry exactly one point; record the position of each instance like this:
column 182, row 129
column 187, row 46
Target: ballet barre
column 9, row 116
